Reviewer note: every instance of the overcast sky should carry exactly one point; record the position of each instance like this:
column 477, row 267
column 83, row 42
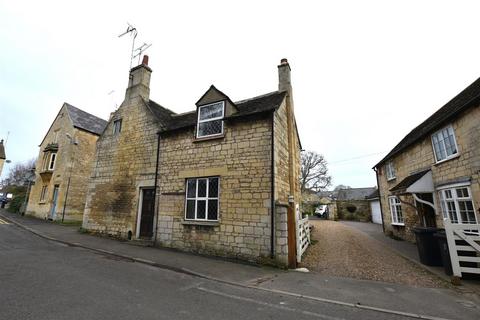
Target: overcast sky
column 364, row 73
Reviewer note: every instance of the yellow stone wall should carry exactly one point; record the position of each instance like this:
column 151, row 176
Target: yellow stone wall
column 420, row 157
column 74, row 161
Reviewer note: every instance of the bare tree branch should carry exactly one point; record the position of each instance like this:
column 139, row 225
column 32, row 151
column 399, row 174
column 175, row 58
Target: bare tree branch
column 314, row 172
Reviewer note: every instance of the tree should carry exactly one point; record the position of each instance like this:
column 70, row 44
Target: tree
column 341, row 186
column 314, row 172
column 20, row 173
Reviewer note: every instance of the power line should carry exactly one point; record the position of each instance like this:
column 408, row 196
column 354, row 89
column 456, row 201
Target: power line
column 357, row 157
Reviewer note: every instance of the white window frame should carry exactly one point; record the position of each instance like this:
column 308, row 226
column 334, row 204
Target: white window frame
column 52, row 161
column 394, row 203
column 211, row 119
column 455, row 199
column 442, row 144
column 117, row 123
column 390, row 171
column 43, row 193
column 206, row 198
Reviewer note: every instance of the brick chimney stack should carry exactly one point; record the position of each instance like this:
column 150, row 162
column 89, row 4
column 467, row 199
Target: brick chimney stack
column 139, row 81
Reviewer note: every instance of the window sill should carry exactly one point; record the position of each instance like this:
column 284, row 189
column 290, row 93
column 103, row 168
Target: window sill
column 218, row 136
column 201, row 223
column 447, row 159
column 391, row 179
column 42, row 202
column 398, row 224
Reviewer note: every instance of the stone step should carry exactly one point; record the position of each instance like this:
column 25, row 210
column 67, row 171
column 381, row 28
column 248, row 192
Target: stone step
column 141, row 242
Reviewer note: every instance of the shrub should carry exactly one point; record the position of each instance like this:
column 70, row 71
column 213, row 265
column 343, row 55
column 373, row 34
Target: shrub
column 16, row 203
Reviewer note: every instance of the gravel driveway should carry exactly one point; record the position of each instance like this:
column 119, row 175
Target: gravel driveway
column 340, row 250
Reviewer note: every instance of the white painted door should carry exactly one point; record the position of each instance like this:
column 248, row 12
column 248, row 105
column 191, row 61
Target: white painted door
column 376, row 213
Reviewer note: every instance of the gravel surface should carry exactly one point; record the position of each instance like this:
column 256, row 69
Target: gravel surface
column 339, row 250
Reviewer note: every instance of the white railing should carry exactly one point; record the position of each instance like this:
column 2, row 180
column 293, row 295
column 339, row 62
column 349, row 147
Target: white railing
column 303, row 234
column 468, row 235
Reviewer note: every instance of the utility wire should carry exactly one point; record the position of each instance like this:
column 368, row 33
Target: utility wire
column 357, row 157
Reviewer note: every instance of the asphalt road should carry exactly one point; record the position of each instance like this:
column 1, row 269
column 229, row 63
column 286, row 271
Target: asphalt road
column 41, row 279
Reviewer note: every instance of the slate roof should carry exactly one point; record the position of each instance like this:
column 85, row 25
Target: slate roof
column 162, row 114
column 264, row 103
column 374, row 195
column 464, row 100
column 402, row 186
column 354, row 193
column 2, row 151
column 85, row 121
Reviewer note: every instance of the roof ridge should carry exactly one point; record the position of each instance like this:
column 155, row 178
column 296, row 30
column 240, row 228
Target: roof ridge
column 159, row 105
column 258, row 97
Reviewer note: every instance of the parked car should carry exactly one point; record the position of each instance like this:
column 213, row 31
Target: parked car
column 321, row 211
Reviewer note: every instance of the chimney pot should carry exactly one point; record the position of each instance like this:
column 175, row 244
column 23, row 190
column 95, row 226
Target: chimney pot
column 145, row 60
column 284, row 61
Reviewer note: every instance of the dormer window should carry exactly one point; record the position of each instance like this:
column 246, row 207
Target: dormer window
column 210, row 119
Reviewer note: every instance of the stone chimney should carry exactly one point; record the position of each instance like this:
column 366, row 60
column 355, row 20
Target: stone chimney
column 284, row 81
column 139, row 81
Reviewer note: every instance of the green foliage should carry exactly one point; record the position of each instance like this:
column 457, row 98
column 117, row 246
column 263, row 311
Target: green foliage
column 16, row 203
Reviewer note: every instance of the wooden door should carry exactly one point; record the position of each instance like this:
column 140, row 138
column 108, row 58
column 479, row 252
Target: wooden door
column 147, row 213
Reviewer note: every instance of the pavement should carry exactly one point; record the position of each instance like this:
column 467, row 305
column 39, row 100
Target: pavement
column 261, row 292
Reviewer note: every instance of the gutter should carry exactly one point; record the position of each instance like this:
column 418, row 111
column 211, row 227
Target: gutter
column 155, row 189
column 272, row 184
column 379, row 199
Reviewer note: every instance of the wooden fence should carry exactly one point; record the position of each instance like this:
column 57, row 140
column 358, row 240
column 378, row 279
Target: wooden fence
column 303, row 234
column 464, row 247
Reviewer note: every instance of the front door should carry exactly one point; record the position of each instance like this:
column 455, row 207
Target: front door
column 53, row 214
column 147, row 213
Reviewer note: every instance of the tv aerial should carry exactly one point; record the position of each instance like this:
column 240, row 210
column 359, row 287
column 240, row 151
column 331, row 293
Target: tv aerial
column 136, row 52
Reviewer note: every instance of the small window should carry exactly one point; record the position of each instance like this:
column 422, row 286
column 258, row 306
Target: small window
column 45, row 161
column 396, row 211
column 201, row 201
column 444, row 144
column 390, row 169
column 457, row 205
column 51, row 165
column 43, row 193
column 210, row 120
column 117, row 126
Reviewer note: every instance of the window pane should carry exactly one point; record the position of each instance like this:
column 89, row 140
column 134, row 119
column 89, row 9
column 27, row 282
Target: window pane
column 191, row 185
column 209, row 128
column 190, row 214
column 213, row 187
column 462, row 193
column 211, row 111
column 202, row 187
column 212, row 209
column 201, row 206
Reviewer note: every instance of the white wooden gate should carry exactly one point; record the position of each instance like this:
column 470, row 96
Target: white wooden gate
column 469, row 251
column 303, row 233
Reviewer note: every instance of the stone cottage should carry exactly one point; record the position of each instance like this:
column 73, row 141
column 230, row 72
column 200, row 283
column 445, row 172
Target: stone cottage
column 352, row 204
column 64, row 165
column 433, row 173
column 221, row 180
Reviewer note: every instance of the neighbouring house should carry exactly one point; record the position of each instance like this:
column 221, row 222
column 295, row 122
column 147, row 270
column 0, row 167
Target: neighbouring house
column 220, row 180
column 375, row 210
column 3, row 158
column 64, row 165
column 433, row 172
column 310, row 201
column 353, row 205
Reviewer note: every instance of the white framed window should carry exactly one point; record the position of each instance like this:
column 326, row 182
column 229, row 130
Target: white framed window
column 53, row 158
column 117, row 126
column 43, row 193
column 444, row 144
column 457, row 204
column 201, row 201
column 210, row 119
column 390, row 170
column 396, row 211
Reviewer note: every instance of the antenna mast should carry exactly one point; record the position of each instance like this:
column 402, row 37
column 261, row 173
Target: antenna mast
column 132, row 31
column 140, row 50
